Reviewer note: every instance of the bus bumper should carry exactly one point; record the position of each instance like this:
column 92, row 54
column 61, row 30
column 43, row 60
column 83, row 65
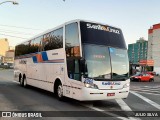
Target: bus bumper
column 94, row 94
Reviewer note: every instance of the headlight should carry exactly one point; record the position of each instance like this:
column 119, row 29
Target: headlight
column 126, row 85
column 89, row 84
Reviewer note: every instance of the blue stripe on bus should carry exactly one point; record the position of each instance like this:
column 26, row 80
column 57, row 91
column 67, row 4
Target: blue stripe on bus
column 44, row 56
column 34, row 59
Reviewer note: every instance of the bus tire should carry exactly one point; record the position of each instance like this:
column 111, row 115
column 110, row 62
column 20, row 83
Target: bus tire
column 151, row 80
column 59, row 90
column 21, row 81
column 139, row 80
column 24, row 81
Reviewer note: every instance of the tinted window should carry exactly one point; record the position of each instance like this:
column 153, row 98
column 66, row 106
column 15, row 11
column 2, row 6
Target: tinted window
column 101, row 35
column 28, row 47
column 72, row 47
column 72, row 40
column 38, row 43
column 22, row 49
column 35, row 45
column 120, row 64
column 98, row 61
column 53, row 40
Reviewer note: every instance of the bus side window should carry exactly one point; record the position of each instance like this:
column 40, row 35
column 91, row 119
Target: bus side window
column 70, row 66
column 72, row 47
column 53, row 40
column 38, row 44
column 77, row 74
column 73, row 69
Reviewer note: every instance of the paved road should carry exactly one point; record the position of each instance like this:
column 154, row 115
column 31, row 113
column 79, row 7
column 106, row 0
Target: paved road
column 144, row 96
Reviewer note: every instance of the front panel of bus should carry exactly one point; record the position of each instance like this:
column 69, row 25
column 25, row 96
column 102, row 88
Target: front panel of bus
column 98, row 59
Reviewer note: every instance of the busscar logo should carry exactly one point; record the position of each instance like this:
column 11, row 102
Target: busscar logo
column 104, row 28
column 111, row 83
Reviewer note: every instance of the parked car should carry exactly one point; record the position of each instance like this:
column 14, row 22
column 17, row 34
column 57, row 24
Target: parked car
column 142, row 77
column 150, row 72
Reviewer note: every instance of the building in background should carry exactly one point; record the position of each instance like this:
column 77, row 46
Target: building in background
column 9, row 57
column 11, row 48
column 138, row 51
column 4, row 46
column 6, row 53
column 154, row 46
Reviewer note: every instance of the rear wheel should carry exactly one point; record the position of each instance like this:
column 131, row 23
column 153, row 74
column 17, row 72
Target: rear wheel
column 24, row 82
column 21, row 81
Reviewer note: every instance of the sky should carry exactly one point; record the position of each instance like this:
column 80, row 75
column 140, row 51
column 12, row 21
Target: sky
column 31, row 17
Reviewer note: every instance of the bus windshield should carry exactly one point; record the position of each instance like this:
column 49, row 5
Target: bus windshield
column 119, row 62
column 104, row 50
column 105, row 62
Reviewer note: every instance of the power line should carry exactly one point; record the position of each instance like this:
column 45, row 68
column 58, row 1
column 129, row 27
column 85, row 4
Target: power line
column 20, row 27
column 15, row 32
column 13, row 36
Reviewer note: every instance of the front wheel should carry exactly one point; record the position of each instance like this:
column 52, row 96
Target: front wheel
column 139, row 80
column 59, row 92
column 151, row 80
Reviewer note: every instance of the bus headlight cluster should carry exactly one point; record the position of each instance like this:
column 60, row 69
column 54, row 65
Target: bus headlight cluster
column 126, row 85
column 89, row 84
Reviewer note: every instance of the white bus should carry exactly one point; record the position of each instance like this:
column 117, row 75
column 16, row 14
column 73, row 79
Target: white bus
column 79, row 59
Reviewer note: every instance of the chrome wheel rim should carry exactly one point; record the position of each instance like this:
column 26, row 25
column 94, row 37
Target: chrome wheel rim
column 25, row 82
column 21, row 82
column 60, row 91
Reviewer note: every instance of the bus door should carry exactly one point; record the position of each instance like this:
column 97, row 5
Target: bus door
column 74, row 75
column 72, row 48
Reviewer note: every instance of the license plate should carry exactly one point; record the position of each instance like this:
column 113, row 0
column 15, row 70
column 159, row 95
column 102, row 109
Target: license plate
column 110, row 94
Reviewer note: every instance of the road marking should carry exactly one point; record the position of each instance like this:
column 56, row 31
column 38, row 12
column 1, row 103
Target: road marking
column 109, row 113
column 147, row 100
column 15, row 81
column 151, row 92
column 125, row 107
column 106, row 112
column 151, row 87
column 146, row 88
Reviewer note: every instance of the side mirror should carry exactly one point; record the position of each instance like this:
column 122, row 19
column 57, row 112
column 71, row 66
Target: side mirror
column 83, row 67
column 71, row 65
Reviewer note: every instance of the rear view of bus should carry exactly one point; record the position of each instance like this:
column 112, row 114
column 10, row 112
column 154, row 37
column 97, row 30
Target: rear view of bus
column 104, row 65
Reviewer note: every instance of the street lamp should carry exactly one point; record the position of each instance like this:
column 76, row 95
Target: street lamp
column 13, row 2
